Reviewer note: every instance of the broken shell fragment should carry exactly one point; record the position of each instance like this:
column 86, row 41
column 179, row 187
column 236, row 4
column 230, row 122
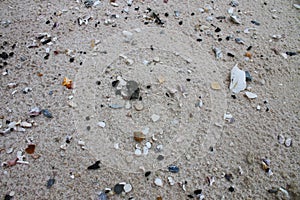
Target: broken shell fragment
column 139, row 106
column 139, row 136
column 215, row 86
column 235, row 19
column 30, row 148
column 238, row 80
column 155, row 117
column 251, row 95
column 288, row 142
column 127, row 188
column 34, row 112
column 218, row 52
column 158, row 182
column 171, row 180
column 25, row 124
column 67, row 82
column 281, row 139
column 101, row 124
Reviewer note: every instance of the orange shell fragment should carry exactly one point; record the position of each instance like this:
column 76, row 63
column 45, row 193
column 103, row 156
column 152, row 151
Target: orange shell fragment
column 67, row 82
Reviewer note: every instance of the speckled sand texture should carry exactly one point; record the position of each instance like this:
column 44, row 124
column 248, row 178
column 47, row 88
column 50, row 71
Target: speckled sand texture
column 168, row 49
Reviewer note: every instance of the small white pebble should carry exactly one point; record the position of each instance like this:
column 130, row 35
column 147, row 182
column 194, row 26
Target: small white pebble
column 138, row 152
column 101, row 124
column 158, row 182
column 127, row 188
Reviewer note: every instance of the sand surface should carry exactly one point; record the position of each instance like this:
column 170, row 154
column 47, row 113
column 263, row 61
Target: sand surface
column 165, row 49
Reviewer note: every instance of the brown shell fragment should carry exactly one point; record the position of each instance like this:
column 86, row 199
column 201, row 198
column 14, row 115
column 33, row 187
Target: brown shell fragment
column 30, row 148
column 138, row 136
column 68, row 83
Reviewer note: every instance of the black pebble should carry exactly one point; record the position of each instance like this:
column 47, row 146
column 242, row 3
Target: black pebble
column 47, row 22
column 118, row 189
column 94, row 166
column 199, row 40
column 98, row 82
column 230, row 55
column 147, row 173
column 50, row 182
column 11, row 54
column 233, row 96
column 197, row 192
column 217, row 30
column 190, row 196
column 188, row 79
column 228, row 177
column 291, row 53
column 166, row 14
column 231, row 189
column 255, row 22
column 180, row 23
column 4, row 55
column 249, row 48
column 47, row 56
column 72, row 60
column 8, row 197
column 115, row 83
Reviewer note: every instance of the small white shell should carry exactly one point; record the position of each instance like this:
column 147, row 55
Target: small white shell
column 281, row 139
column 288, row 142
column 138, row 152
column 148, row 145
column 145, row 150
column 171, row 180
column 251, row 95
column 127, row 188
column 158, row 182
column 101, row 124
column 235, row 19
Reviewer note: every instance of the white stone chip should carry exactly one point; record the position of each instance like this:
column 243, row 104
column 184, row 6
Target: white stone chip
column 127, row 188
column 101, row 124
column 251, row 95
column 158, row 182
column 155, row 117
column 138, row 152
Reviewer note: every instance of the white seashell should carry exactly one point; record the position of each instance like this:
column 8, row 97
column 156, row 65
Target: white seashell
column 171, row 180
column 218, row 52
column 281, row 139
column 155, row 117
column 145, row 150
column 238, row 80
column 297, row 6
column 114, row 4
column 228, row 116
column 81, row 143
column 101, row 124
column 159, row 147
column 138, row 152
column 9, row 150
column 230, row 10
column 258, row 107
column 235, row 19
column 158, row 182
column 25, row 125
column 288, row 142
column 251, row 95
column 156, row 59
column 148, row 145
column 127, row 188
column 116, row 146
column 154, row 138
column 63, row 146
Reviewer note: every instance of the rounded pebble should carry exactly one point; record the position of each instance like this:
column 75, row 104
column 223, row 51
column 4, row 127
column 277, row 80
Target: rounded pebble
column 158, row 182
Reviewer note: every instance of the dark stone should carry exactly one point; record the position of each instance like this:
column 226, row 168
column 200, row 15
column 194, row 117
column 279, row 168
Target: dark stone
column 173, row 169
column 50, row 183
column 231, row 189
column 230, row 55
column 115, row 83
column 160, row 157
column 147, row 173
column 94, row 166
column 118, row 189
column 291, row 53
column 249, row 48
column 46, row 113
column 248, row 76
column 255, row 22
column 4, row 55
column 72, row 60
column 228, row 177
column 46, row 41
column 217, row 30
column 133, row 90
column 197, row 192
